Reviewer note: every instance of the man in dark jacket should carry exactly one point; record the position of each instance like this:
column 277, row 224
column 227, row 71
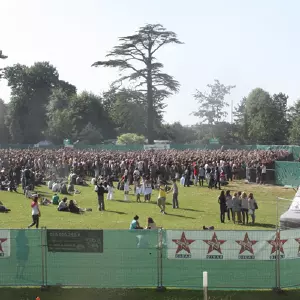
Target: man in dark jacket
column 101, row 190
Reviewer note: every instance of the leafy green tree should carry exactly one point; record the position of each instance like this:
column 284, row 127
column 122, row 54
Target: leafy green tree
column 177, row 133
column 135, row 58
column 2, row 56
column 240, row 121
column 130, row 139
column 31, row 88
column 88, row 108
column 280, row 115
column 90, row 135
column 294, row 121
column 60, row 126
column 260, row 112
column 212, row 104
column 4, row 133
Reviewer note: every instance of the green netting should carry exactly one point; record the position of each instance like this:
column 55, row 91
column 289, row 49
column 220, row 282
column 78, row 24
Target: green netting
column 21, row 263
column 129, row 259
column 132, row 259
column 287, row 173
column 290, row 268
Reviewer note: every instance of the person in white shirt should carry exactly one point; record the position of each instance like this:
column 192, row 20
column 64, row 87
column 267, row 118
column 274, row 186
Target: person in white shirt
column 229, row 204
column 252, row 205
column 182, row 180
column 126, row 188
column 245, row 208
column 35, row 212
column 63, row 205
column 138, row 192
column 110, row 191
column 263, row 173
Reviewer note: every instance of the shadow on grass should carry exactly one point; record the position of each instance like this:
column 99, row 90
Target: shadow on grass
column 180, row 216
column 191, row 209
column 117, row 212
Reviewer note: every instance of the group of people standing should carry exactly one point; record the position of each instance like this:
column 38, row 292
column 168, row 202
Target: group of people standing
column 238, row 207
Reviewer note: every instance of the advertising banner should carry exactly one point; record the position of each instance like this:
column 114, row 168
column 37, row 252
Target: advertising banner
column 232, row 245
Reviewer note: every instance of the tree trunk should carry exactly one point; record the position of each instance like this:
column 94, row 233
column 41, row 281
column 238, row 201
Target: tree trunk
column 150, row 115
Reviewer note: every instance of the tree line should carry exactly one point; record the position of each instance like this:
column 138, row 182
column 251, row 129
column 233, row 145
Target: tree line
column 44, row 107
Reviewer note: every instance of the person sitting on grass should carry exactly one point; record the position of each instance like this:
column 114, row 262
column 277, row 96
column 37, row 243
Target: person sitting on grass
column 55, row 199
column 63, row 205
column 73, row 208
column 135, row 223
column 3, row 208
column 151, row 224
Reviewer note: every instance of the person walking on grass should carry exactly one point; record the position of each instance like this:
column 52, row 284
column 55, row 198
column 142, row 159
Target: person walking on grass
column 36, row 213
column 174, row 189
column 161, row 201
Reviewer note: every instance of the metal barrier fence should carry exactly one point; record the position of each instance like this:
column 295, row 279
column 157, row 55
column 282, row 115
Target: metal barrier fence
column 150, row 258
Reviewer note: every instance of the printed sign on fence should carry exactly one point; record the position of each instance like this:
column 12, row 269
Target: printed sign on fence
column 4, row 243
column 86, row 241
column 232, row 245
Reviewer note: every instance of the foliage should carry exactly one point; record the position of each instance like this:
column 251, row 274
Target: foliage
column 260, row 111
column 294, row 119
column 135, row 59
column 130, row 138
column 212, row 105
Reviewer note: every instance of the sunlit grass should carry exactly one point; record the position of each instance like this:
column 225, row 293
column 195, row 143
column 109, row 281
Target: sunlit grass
column 198, row 207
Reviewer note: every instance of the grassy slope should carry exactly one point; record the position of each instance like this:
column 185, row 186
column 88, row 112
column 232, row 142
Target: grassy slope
column 198, row 207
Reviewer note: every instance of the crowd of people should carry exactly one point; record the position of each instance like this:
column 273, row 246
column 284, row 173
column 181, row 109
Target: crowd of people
column 36, row 165
column 145, row 170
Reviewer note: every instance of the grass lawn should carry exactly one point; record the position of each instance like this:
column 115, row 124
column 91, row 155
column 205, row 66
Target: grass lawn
column 198, row 207
column 138, row 294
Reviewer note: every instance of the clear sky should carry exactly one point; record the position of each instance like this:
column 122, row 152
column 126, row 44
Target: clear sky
column 247, row 43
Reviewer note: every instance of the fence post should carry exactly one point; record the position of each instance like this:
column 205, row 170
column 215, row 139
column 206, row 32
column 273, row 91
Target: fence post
column 205, row 286
column 160, row 287
column 44, row 258
column 278, row 284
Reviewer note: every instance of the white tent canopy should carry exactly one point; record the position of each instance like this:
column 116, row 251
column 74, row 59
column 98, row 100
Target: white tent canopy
column 291, row 218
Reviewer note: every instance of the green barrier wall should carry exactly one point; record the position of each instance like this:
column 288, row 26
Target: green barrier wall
column 287, row 173
column 141, row 258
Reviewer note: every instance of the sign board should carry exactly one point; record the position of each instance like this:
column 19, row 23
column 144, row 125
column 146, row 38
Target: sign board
column 84, row 241
column 68, row 143
column 157, row 147
column 234, row 245
column 214, row 141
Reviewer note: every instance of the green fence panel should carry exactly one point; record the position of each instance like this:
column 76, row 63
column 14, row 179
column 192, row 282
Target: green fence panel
column 290, row 268
column 129, row 259
column 287, row 173
column 222, row 274
column 21, row 258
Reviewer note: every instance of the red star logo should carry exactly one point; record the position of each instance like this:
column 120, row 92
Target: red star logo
column 183, row 244
column 2, row 241
column 214, row 244
column 277, row 243
column 246, row 244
